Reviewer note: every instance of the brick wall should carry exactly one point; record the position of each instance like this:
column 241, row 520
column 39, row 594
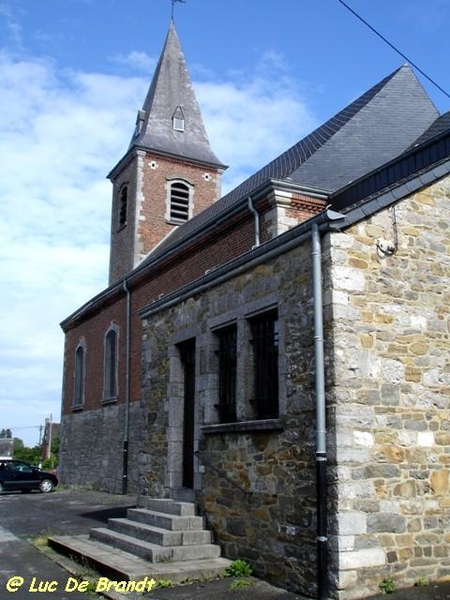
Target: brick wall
column 122, row 240
column 147, row 176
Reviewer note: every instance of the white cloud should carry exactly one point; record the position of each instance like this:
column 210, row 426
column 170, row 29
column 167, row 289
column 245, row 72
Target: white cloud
column 253, row 119
column 61, row 132
column 139, row 61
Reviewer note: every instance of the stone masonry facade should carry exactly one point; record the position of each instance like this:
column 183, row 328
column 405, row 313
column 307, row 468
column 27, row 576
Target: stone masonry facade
column 388, row 383
column 389, row 355
column 387, row 390
column 254, row 481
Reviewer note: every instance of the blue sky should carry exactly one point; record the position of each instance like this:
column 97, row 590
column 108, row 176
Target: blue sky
column 73, row 74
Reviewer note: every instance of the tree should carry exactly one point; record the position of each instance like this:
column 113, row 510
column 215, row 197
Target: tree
column 18, row 443
column 52, row 461
column 29, row 455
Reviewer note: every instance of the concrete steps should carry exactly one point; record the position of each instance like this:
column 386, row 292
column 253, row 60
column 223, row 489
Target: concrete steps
column 165, row 521
column 161, row 538
column 158, row 535
column 152, row 552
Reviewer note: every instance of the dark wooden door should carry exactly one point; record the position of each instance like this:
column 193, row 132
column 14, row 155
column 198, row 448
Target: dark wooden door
column 188, row 359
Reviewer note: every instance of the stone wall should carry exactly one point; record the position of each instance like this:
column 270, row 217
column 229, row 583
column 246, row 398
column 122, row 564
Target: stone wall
column 91, row 448
column 254, row 481
column 389, row 354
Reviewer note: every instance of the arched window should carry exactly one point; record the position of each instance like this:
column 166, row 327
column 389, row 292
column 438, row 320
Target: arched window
column 110, row 369
column 80, row 361
column 123, row 207
column 179, row 202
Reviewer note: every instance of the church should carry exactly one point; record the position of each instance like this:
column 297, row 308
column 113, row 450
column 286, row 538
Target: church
column 278, row 355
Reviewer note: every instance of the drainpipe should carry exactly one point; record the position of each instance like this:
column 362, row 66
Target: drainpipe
column 256, row 215
column 321, row 447
column 127, row 388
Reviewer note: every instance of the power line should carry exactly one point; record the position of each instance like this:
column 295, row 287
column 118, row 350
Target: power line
column 394, row 48
column 26, row 427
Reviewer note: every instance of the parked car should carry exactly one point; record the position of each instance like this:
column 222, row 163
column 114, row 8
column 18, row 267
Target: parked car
column 17, row 475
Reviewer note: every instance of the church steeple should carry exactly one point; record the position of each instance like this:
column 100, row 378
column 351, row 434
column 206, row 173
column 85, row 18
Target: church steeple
column 169, row 172
column 170, row 120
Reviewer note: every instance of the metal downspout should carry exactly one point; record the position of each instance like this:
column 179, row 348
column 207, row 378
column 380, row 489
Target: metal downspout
column 321, row 442
column 256, row 215
column 321, row 448
column 127, row 389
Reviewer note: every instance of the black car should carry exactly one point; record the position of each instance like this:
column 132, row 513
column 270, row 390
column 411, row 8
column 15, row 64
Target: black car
column 16, row 475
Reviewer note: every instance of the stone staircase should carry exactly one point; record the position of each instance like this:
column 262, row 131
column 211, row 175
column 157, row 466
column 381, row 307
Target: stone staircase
column 160, row 538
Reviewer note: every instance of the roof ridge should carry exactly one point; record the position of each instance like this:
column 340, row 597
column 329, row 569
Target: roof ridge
column 315, row 139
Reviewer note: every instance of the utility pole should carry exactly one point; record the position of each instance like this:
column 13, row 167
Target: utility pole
column 50, row 437
column 47, row 441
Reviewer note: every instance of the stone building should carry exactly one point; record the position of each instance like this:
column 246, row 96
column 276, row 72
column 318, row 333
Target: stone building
column 279, row 355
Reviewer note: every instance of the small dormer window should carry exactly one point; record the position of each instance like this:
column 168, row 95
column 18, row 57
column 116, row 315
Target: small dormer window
column 139, row 122
column 178, row 119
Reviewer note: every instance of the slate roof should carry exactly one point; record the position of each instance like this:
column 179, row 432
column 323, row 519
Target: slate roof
column 439, row 127
column 391, row 135
column 372, row 130
column 170, row 90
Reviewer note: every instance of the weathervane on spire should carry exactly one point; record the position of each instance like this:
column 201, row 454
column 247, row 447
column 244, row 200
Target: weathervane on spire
column 173, row 5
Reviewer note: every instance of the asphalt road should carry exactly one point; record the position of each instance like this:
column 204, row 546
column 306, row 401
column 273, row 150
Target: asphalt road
column 25, row 571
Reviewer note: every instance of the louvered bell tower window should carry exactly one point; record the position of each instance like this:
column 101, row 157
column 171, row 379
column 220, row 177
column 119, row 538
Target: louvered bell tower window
column 179, row 208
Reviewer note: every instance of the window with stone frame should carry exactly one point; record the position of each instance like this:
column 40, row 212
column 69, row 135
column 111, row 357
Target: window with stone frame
column 110, row 365
column 123, row 207
column 179, row 202
column 264, row 341
column 227, row 359
column 79, row 380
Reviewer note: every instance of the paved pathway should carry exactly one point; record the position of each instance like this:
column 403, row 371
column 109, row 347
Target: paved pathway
column 24, row 570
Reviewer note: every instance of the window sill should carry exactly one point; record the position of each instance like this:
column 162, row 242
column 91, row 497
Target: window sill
column 77, row 407
column 243, row 426
column 177, row 222
column 109, row 400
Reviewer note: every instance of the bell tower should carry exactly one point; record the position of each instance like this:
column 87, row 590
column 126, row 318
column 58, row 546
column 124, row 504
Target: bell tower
column 169, row 172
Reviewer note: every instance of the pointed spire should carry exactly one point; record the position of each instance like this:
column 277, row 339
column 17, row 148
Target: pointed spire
column 170, row 120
